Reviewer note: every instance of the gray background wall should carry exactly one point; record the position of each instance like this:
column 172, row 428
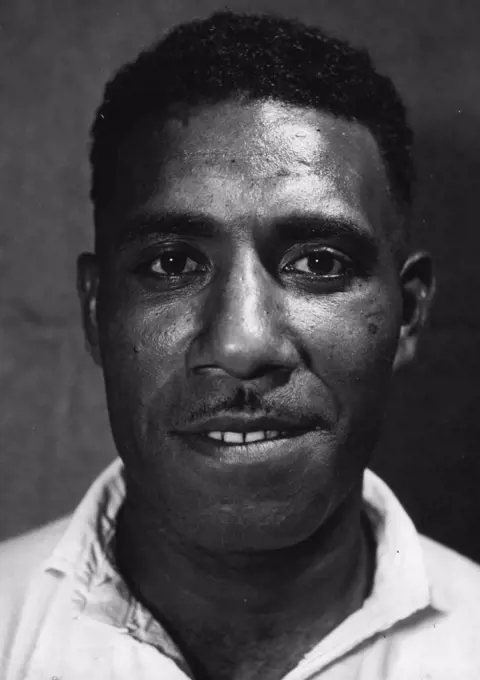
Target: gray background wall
column 55, row 57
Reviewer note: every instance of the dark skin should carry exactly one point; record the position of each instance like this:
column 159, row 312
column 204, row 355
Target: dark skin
column 249, row 561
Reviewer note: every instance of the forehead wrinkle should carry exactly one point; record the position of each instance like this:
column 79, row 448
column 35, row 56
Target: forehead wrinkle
column 287, row 147
column 271, row 140
column 294, row 133
column 192, row 166
column 237, row 199
column 316, row 182
column 269, row 161
column 261, row 163
column 256, row 170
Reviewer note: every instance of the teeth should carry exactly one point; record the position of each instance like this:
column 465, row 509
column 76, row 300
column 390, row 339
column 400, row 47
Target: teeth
column 244, row 437
column 258, row 436
column 215, row 435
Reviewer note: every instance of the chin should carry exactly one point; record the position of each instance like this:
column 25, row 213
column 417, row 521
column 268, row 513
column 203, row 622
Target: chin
column 257, row 527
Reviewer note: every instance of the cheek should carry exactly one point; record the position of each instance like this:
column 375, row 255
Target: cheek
column 141, row 346
column 354, row 343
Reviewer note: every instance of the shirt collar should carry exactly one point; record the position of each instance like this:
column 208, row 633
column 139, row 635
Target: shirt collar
column 85, row 553
column 401, row 585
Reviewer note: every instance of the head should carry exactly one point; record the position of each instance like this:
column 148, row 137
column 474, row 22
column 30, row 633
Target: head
column 251, row 189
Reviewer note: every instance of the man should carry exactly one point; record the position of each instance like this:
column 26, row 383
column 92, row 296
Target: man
column 251, row 294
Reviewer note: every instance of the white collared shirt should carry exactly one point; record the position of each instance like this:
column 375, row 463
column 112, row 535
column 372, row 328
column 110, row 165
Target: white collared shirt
column 66, row 614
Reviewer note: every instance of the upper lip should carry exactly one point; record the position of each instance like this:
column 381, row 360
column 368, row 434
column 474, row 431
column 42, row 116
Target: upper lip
column 244, row 423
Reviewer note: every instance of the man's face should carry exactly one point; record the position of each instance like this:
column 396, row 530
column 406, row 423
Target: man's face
column 248, row 267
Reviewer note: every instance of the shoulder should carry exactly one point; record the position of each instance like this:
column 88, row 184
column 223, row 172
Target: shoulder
column 443, row 643
column 20, row 556
column 455, row 578
column 20, row 560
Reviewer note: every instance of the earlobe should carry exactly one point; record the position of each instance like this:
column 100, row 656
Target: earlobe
column 87, row 289
column 418, row 286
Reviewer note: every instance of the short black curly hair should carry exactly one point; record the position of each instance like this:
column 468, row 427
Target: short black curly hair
column 258, row 57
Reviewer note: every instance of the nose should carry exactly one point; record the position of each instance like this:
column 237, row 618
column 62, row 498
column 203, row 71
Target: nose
column 246, row 326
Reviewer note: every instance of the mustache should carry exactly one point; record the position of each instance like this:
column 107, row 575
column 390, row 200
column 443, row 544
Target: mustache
column 244, row 400
column 247, row 400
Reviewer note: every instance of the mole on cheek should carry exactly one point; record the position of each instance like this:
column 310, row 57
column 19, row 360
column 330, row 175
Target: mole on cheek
column 375, row 320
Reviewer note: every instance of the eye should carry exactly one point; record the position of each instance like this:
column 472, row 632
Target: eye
column 174, row 263
column 325, row 264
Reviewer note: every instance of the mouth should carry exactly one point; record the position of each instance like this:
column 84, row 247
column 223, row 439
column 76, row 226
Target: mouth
column 232, row 438
column 246, row 447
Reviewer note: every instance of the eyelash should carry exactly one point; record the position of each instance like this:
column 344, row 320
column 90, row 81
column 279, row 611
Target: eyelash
column 335, row 254
column 345, row 261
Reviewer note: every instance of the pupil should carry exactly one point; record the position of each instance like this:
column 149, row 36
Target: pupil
column 321, row 263
column 170, row 263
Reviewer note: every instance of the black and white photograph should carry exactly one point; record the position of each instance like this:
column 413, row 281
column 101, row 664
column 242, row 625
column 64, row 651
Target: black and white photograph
column 239, row 340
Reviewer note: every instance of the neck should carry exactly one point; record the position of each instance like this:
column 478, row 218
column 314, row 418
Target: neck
column 322, row 579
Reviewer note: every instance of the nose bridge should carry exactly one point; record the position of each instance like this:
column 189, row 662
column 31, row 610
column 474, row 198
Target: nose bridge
column 247, row 320
column 246, row 300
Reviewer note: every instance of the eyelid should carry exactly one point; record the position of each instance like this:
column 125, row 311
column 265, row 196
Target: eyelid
column 346, row 263
column 156, row 251
column 145, row 260
column 312, row 249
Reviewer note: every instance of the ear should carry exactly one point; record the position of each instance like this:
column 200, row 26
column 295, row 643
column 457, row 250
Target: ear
column 418, row 286
column 87, row 289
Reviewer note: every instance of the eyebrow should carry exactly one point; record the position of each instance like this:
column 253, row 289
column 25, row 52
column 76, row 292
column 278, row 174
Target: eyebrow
column 146, row 226
column 291, row 228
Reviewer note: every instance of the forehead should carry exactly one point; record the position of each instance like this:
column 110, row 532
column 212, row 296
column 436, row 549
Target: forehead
column 260, row 159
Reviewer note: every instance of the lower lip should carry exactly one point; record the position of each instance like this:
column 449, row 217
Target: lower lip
column 249, row 452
